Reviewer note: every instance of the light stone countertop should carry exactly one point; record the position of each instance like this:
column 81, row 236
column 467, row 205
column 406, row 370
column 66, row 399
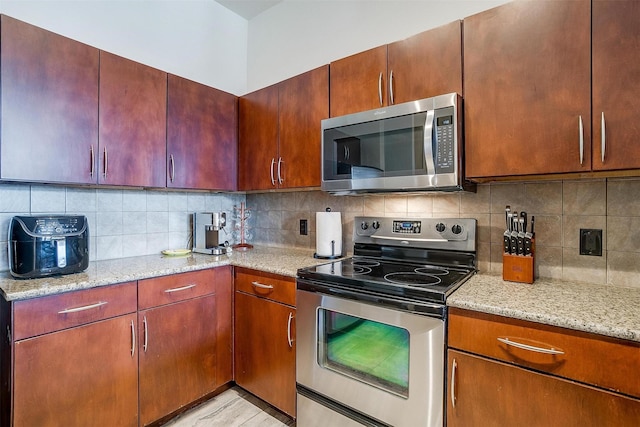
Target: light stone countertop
column 281, row 261
column 601, row 309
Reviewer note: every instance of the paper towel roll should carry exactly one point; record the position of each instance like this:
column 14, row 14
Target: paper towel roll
column 328, row 230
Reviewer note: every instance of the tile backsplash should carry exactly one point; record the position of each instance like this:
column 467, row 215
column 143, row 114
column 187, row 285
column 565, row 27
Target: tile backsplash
column 122, row 223
column 561, row 209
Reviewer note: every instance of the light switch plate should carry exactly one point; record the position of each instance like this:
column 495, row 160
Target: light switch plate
column 590, row 242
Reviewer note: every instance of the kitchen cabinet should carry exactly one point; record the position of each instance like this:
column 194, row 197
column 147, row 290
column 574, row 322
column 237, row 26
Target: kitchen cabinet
column 49, row 104
column 178, row 345
column 280, row 133
column 202, row 136
column 265, row 337
column 421, row 66
column 616, row 85
column 530, row 88
column 133, row 121
column 75, row 359
column 510, row 371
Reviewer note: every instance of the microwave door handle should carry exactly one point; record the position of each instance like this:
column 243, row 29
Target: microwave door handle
column 428, row 143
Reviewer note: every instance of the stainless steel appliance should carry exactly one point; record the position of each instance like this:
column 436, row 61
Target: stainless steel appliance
column 406, row 147
column 371, row 328
column 209, row 235
column 41, row 246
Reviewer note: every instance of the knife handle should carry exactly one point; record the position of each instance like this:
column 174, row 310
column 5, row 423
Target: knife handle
column 507, row 244
column 527, row 246
column 520, row 245
column 514, row 245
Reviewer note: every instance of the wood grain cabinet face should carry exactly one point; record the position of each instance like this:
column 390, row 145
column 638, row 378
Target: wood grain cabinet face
column 421, row 66
column 506, row 371
column 133, row 122
column 202, row 136
column 616, row 84
column 265, row 349
column 49, row 96
column 280, row 133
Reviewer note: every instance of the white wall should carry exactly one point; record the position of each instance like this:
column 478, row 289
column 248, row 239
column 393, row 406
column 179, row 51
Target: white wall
column 298, row 35
column 196, row 39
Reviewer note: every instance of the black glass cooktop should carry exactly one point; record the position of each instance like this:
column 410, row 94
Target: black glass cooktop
column 407, row 279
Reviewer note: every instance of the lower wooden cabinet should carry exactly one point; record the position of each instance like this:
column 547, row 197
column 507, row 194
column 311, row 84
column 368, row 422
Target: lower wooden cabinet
column 265, row 351
column 504, row 372
column 84, row 376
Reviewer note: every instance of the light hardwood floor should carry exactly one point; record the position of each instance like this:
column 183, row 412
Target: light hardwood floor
column 234, row 407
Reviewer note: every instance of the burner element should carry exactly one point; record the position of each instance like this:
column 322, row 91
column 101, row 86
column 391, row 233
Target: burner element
column 432, row 270
column 365, row 263
column 412, row 279
column 354, row 270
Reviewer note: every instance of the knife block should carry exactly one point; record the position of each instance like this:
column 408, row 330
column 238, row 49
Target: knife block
column 518, row 268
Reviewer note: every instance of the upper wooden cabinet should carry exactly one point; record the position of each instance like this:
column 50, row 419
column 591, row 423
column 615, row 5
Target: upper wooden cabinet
column 133, row 121
column 421, row 66
column 616, row 84
column 202, row 136
column 49, row 91
column 280, row 133
column 527, row 89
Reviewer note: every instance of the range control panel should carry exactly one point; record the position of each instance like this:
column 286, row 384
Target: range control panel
column 407, row 227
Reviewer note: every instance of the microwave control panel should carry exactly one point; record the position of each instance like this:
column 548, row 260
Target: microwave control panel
column 444, row 146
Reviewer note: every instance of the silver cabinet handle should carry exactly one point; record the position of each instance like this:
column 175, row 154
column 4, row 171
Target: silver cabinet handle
column 273, row 181
column 93, row 161
column 391, row 101
column 133, row 339
column 535, row 349
column 146, row 334
column 603, row 137
column 172, row 164
column 380, row 89
column 454, row 366
column 261, row 286
column 581, row 129
column 182, row 288
column 289, row 340
column 83, row 308
column 106, row 162
column 280, row 179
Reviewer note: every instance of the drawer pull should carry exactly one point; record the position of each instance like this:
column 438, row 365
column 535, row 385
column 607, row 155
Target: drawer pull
column 182, row 288
column 289, row 340
column 261, row 286
column 83, row 308
column 522, row 346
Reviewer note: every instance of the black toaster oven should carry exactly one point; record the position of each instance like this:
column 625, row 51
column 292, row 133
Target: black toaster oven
column 41, row 246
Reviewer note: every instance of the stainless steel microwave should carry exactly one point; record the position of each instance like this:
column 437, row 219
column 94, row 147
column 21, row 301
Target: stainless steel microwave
column 415, row 146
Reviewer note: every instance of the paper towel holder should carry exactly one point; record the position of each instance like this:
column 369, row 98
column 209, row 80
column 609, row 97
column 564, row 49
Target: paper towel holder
column 333, row 249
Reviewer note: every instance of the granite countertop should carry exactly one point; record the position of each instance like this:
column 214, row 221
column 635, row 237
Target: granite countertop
column 283, row 261
column 601, row 309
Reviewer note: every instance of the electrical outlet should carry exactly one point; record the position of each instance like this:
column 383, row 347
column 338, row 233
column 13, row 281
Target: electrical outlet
column 304, row 227
column 590, row 242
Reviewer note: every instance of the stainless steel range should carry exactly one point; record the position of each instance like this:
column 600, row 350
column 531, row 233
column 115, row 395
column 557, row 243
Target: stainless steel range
column 371, row 328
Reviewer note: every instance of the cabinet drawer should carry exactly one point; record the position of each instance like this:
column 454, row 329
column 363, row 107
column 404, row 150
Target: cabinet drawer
column 47, row 314
column 271, row 286
column 176, row 287
column 593, row 359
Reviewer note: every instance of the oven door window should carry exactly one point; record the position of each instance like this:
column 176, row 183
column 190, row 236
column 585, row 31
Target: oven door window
column 369, row 351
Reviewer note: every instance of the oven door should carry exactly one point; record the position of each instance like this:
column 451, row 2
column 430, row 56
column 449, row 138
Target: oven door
column 383, row 363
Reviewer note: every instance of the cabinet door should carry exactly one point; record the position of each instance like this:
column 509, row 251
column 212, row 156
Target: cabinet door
column 304, row 102
column 177, row 356
column 265, row 350
column 527, row 88
column 202, row 136
column 49, row 92
column 489, row 393
column 359, row 82
column 427, row 64
column 84, row 376
column 616, row 84
column 133, row 122
column 258, row 148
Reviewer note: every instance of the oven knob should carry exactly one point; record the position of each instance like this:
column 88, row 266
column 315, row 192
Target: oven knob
column 440, row 227
column 456, row 229
column 364, row 225
column 375, row 225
